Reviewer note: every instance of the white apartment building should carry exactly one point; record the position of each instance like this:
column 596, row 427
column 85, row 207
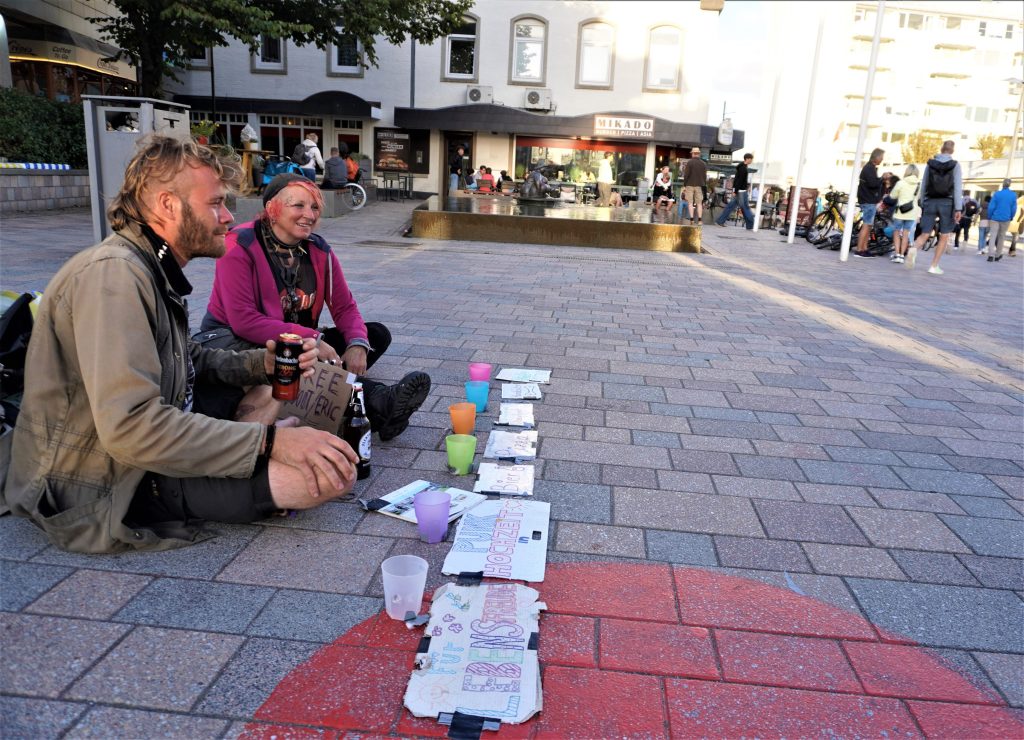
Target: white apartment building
column 522, row 83
column 944, row 68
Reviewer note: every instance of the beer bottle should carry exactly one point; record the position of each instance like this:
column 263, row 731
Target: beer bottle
column 357, row 431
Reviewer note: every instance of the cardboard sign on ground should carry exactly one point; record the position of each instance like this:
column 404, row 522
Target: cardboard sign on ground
column 322, row 399
column 481, row 656
column 504, row 538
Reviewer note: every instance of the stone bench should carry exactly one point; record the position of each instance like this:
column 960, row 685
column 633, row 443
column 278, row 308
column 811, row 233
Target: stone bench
column 247, row 208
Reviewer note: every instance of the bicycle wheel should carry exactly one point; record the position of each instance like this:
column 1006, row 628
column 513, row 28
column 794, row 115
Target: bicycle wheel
column 818, row 231
column 354, row 196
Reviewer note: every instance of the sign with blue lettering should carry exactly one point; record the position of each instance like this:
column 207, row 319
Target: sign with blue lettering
column 479, row 659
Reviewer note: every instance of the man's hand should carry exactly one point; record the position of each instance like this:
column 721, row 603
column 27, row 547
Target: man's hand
column 329, row 354
column 307, row 360
column 956, row 217
column 316, row 454
column 354, row 359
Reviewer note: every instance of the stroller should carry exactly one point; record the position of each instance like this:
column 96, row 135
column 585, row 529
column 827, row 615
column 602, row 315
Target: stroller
column 276, row 165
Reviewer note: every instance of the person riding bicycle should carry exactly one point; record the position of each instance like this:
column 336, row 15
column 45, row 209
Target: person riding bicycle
column 277, row 276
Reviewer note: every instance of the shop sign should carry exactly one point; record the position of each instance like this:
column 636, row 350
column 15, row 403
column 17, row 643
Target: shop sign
column 725, row 132
column 719, row 157
column 638, row 128
column 70, row 54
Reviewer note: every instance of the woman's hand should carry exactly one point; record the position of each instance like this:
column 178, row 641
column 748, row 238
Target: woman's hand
column 354, row 359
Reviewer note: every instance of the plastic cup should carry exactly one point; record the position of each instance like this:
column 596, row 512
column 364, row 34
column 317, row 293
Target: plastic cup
column 404, row 579
column 461, row 448
column 476, row 392
column 479, row 371
column 463, row 417
column 432, row 515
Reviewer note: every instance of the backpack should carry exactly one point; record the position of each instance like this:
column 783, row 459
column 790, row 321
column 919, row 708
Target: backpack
column 970, row 207
column 300, row 155
column 940, row 179
column 15, row 332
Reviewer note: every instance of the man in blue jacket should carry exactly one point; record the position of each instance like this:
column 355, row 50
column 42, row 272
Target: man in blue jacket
column 1000, row 211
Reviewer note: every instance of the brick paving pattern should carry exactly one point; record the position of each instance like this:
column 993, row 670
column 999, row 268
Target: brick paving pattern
column 848, row 434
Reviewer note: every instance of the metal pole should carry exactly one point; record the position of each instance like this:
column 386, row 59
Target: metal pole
column 794, row 204
column 764, row 156
column 862, row 131
column 213, row 89
column 412, row 75
column 1016, row 130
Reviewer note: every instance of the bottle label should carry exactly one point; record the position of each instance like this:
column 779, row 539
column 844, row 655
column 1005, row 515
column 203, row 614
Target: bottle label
column 364, row 447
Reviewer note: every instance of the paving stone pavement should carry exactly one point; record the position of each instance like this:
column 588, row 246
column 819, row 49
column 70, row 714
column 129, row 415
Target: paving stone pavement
column 851, row 432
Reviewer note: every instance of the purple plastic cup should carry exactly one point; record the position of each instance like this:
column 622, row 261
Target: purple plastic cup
column 432, row 515
column 479, row 371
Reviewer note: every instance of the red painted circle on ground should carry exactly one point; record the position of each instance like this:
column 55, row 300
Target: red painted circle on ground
column 655, row 651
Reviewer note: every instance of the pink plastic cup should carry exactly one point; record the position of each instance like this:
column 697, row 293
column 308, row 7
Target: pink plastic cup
column 479, row 371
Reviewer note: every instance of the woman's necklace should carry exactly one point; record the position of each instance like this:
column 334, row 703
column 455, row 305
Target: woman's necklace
column 287, row 258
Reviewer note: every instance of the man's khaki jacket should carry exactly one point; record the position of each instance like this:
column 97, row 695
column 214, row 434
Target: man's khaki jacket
column 105, row 380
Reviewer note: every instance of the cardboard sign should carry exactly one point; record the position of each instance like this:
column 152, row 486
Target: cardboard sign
column 322, row 399
column 516, row 446
column 478, row 655
column 511, row 480
column 504, row 538
column 516, row 415
column 400, row 503
column 520, row 391
column 524, row 375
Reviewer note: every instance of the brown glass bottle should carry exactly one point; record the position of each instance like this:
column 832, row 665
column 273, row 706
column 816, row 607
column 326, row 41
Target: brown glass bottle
column 357, row 432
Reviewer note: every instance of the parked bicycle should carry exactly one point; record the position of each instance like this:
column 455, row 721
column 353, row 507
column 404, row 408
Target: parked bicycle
column 825, row 231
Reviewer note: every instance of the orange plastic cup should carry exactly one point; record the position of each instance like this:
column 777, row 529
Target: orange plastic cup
column 463, row 417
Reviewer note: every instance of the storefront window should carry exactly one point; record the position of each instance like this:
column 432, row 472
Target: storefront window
column 528, row 51
column 597, row 43
column 574, row 160
column 27, row 77
column 63, row 83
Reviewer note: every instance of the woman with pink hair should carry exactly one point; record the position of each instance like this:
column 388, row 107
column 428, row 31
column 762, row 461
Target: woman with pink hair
column 277, row 277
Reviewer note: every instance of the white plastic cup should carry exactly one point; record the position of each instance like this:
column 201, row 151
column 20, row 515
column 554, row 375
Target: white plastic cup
column 405, row 577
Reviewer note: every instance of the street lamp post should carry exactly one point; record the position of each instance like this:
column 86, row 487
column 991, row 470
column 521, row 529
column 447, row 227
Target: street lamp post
column 1016, row 126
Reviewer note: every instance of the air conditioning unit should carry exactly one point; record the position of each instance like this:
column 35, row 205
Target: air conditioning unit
column 479, row 94
column 538, row 99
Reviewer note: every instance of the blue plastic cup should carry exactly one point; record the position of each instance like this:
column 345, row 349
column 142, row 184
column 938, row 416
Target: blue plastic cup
column 476, row 392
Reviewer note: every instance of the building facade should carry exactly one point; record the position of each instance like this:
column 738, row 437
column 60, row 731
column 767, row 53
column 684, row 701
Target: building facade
column 944, row 69
column 519, row 85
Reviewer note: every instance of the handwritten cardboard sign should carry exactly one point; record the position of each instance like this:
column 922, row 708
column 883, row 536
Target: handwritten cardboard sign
column 322, row 399
column 479, row 658
column 503, row 538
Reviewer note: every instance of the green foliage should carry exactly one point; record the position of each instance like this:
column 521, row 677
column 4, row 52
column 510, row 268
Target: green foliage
column 34, row 129
column 920, row 147
column 159, row 35
column 992, row 146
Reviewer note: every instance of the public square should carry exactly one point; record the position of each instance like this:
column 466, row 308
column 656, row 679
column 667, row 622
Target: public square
column 786, row 498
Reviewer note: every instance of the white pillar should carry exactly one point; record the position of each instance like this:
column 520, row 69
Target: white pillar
column 865, row 110
column 764, row 154
column 1016, row 130
column 794, row 205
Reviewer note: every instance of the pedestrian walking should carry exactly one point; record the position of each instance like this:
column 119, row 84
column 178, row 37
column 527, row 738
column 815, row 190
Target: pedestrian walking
column 905, row 212
column 1000, row 212
column 740, row 184
column 941, row 199
column 964, row 226
column 695, row 179
column 605, row 180
column 983, row 224
column 1014, row 229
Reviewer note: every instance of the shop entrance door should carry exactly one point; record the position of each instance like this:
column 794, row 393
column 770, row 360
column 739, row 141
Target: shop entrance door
column 452, row 141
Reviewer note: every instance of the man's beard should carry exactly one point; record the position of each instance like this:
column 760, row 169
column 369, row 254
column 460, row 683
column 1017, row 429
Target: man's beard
column 195, row 239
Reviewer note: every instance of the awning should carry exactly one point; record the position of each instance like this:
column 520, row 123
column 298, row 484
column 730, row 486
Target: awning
column 326, row 103
column 505, row 119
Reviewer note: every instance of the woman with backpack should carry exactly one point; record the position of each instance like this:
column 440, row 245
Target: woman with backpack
column 308, row 157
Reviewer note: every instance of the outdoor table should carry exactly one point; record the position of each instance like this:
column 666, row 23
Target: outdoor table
column 394, row 184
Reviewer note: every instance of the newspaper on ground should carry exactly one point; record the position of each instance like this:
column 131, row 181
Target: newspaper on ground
column 478, row 656
column 524, row 375
column 509, row 480
column 399, row 503
column 501, row 538
column 516, row 415
column 520, row 391
column 516, row 446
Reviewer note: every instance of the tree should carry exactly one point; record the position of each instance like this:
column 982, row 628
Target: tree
column 159, row 36
column 992, row 146
column 920, row 147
